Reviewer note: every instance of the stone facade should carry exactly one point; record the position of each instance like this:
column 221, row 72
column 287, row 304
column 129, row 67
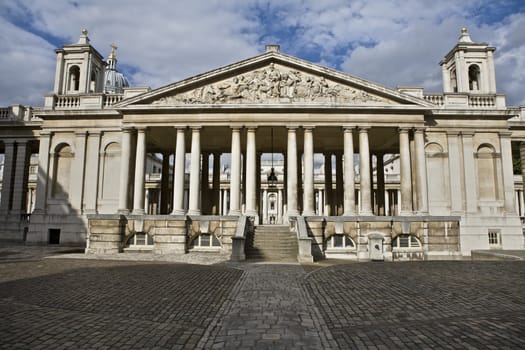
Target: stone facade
column 362, row 171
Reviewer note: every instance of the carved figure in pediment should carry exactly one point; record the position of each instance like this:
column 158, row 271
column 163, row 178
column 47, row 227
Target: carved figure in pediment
column 270, row 83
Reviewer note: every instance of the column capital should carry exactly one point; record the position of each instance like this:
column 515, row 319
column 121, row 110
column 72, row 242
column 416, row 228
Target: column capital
column 180, row 127
column 505, row 133
column 236, row 128
column 128, row 129
column 308, row 127
column 468, row 133
column 419, row 129
column 251, row 128
column 453, row 133
column 141, row 128
column 292, row 127
column 403, row 129
column 348, row 128
column 195, row 128
column 81, row 133
column 45, row 133
column 364, row 128
column 95, row 133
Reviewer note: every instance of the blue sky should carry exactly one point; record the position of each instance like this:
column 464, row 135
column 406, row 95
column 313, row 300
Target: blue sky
column 390, row 42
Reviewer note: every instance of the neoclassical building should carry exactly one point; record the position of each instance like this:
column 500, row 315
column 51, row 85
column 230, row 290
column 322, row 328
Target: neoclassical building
column 344, row 166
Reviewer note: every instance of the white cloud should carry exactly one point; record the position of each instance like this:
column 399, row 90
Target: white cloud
column 392, row 42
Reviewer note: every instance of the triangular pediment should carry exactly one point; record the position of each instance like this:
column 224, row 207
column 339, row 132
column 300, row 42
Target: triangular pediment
column 274, row 79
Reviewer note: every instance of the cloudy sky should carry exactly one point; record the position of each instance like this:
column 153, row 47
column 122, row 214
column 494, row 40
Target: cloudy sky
column 391, row 42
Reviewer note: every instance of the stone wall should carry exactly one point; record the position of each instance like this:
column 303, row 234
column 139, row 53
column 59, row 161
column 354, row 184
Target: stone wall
column 438, row 237
column 171, row 234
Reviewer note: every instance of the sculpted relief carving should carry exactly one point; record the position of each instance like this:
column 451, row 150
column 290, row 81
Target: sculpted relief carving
column 273, row 84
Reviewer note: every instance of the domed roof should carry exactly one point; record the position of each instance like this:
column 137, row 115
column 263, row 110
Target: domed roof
column 114, row 81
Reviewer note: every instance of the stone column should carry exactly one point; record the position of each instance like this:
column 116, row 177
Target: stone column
column 125, row 158
column 42, row 177
column 349, row 179
column 339, row 192
column 421, row 171
column 380, row 193
column 216, row 183
column 164, row 184
column 179, row 170
column 364, row 172
column 92, row 171
column 205, row 183
column 327, row 184
column 522, row 158
column 291, row 191
column 405, row 172
column 265, row 207
column 77, row 171
column 279, row 206
column 454, row 163
column 225, row 202
column 195, row 172
column 320, row 203
column 471, row 187
column 21, row 176
column 308, row 195
column 507, row 169
column 140, row 169
column 8, row 176
column 235, row 173
column 258, row 182
column 251, row 171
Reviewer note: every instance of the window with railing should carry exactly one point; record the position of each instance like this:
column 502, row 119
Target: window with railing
column 206, row 240
column 339, row 241
column 494, row 238
column 406, row 241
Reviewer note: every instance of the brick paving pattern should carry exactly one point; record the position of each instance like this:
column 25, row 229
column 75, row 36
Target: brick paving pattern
column 269, row 310
column 98, row 304
column 431, row 305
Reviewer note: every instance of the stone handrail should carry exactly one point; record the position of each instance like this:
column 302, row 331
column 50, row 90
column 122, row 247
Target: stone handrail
column 83, row 101
column 305, row 242
column 436, row 99
column 238, row 252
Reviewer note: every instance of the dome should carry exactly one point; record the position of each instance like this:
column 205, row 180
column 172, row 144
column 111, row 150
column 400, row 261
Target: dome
column 114, row 81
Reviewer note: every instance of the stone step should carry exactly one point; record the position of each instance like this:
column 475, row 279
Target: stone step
column 272, row 242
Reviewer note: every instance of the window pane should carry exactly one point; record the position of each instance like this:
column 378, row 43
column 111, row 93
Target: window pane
column 215, row 242
column 205, row 240
column 403, row 241
column 348, row 242
column 140, row 239
column 338, row 241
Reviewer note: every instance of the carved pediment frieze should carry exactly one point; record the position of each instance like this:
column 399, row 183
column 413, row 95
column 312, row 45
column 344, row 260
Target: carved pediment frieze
column 274, row 84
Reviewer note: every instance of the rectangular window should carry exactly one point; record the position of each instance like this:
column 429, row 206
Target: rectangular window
column 494, row 238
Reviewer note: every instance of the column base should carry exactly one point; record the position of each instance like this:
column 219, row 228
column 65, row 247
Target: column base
column 366, row 213
column 178, row 212
column 194, row 212
column 236, row 212
column 308, row 213
column 123, row 211
column 353, row 213
column 138, row 212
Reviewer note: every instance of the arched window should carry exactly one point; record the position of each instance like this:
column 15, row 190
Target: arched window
column 454, row 80
column 437, row 174
column 406, row 241
column 93, row 82
column 62, row 171
column 339, row 241
column 111, row 169
column 74, row 78
column 474, row 77
column 487, row 172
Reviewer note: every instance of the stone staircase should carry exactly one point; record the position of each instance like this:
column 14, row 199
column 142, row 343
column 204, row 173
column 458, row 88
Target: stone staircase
column 273, row 243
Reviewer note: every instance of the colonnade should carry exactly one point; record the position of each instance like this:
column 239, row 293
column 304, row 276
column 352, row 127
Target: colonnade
column 15, row 177
column 299, row 195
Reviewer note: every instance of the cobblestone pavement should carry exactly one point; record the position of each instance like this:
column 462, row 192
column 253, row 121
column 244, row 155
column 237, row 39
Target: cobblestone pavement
column 97, row 304
column 269, row 310
column 428, row 305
